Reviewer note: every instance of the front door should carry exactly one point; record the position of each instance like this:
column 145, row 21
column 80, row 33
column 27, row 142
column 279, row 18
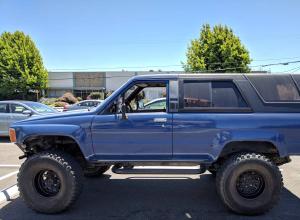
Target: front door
column 145, row 133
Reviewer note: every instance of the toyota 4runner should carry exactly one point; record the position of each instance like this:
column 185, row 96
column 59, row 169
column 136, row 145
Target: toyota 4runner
column 239, row 127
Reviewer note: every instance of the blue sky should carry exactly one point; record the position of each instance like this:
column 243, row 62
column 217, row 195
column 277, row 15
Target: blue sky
column 112, row 35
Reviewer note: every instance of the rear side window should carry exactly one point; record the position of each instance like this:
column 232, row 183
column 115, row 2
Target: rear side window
column 225, row 94
column 213, row 95
column 296, row 78
column 3, row 108
column 197, row 94
column 275, row 88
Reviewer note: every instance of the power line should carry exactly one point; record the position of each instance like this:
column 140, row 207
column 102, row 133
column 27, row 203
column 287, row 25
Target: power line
column 283, row 58
column 119, row 67
column 214, row 70
column 170, row 65
column 291, row 70
column 282, row 63
column 296, row 69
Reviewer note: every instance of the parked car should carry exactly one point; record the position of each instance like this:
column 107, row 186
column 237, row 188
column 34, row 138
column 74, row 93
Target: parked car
column 12, row 111
column 159, row 103
column 238, row 127
column 86, row 104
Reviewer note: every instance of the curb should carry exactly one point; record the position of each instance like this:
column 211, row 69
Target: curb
column 9, row 193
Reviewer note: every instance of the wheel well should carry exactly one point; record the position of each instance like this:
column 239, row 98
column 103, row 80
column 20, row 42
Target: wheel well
column 263, row 147
column 64, row 143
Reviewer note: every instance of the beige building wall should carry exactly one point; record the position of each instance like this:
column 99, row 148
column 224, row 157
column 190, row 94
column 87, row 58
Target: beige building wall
column 115, row 79
column 86, row 82
column 60, row 80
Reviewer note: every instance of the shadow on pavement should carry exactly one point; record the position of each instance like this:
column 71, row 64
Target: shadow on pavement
column 4, row 140
column 106, row 198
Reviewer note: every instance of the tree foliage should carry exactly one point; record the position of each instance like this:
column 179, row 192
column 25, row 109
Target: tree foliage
column 21, row 66
column 68, row 97
column 217, row 49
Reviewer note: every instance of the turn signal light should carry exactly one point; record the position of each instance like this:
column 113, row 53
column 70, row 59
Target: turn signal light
column 12, row 135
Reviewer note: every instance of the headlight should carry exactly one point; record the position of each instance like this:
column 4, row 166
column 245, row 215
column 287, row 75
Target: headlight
column 12, row 135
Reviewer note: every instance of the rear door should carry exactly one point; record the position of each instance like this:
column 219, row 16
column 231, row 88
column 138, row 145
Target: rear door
column 16, row 113
column 207, row 111
column 4, row 118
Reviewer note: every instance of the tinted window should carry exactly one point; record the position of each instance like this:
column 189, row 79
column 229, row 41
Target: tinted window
column 225, row 94
column 2, row 108
column 212, row 95
column 197, row 94
column 275, row 88
column 296, row 77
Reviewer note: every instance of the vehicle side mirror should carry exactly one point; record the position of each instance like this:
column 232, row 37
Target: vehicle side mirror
column 27, row 112
column 123, row 111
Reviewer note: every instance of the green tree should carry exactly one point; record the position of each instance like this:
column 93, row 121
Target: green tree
column 217, row 49
column 21, row 66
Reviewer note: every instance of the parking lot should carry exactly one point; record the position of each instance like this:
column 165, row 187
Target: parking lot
column 146, row 196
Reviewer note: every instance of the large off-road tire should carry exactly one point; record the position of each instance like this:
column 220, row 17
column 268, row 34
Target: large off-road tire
column 50, row 182
column 249, row 183
column 95, row 171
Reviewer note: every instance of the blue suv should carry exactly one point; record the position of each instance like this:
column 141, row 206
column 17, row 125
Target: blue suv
column 239, row 127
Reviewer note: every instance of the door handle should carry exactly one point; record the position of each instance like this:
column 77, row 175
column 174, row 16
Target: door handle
column 160, row 120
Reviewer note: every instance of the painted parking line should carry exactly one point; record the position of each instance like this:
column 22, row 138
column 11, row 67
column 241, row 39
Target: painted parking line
column 9, row 193
column 8, row 175
column 9, row 165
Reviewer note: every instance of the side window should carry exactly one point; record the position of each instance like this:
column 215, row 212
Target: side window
column 149, row 98
column 196, row 94
column 275, row 88
column 141, row 98
column 226, row 95
column 3, row 108
column 161, row 104
column 86, row 104
column 15, row 108
column 211, row 95
column 82, row 104
column 89, row 104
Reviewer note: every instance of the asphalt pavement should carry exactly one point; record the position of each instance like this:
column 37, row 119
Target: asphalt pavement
column 156, row 197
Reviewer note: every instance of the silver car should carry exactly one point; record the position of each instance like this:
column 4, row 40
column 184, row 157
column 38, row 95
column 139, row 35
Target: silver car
column 11, row 111
column 84, row 105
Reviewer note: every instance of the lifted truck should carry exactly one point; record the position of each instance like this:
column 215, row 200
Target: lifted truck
column 239, row 127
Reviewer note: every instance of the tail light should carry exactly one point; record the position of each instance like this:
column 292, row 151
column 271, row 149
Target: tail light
column 12, row 135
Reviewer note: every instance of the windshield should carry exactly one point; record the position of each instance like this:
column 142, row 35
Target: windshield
column 41, row 108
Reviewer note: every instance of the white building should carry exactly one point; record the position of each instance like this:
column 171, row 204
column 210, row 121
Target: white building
column 81, row 84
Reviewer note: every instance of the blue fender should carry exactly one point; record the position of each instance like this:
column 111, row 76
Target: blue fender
column 81, row 136
column 225, row 137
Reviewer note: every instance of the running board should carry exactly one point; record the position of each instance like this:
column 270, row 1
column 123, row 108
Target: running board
column 158, row 170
